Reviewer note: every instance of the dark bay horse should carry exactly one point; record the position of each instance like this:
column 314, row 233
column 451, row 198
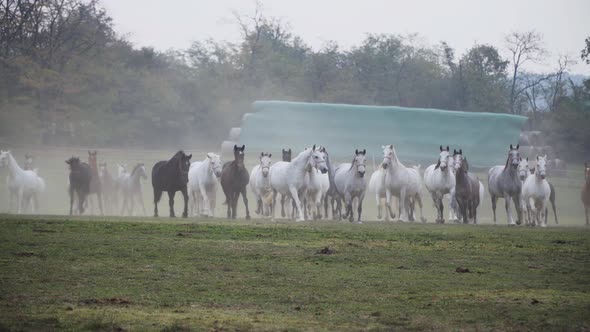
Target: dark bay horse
column 79, row 182
column 466, row 190
column 171, row 176
column 234, row 180
column 95, row 186
column 586, row 190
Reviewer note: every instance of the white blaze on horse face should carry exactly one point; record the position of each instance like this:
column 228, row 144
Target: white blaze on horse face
column 457, row 159
column 514, row 156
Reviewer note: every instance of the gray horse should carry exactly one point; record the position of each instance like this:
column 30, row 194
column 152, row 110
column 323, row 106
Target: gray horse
column 350, row 183
column 503, row 181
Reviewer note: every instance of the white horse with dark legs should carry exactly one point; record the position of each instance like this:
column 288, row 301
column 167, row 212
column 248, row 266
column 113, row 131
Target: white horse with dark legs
column 536, row 192
column 26, row 183
column 288, row 178
column 203, row 177
column 503, row 181
column 131, row 189
column 260, row 184
column 400, row 181
column 440, row 180
column 350, row 182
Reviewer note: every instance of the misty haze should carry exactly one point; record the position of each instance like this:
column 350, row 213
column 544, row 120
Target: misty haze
column 294, row 165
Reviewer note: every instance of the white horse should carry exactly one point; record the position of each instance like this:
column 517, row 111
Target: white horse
column 202, row 184
column 440, row 180
column 400, row 181
column 288, row 178
column 315, row 182
column 536, row 192
column 131, row 188
column 350, row 182
column 260, row 184
column 26, row 183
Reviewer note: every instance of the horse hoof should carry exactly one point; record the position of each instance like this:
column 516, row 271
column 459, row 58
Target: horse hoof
column 184, row 215
column 247, row 217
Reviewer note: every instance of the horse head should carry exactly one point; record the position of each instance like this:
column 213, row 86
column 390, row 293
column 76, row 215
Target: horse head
column 239, row 154
column 513, row 157
column 4, row 158
column 92, row 158
column 523, row 169
column 457, row 159
column 74, row 163
column 443, row 159
column 388, row 155
column 214, row 163
column 184, row 164
column 140, row 169
column 360, row 160
column 541, row 167
column 265, row 163
column 317, row 159
column 28, row 162
column 286, row 155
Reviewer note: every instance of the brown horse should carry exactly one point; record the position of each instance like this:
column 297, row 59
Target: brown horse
column 95, row 187
column 234, row 179
column 586, row 190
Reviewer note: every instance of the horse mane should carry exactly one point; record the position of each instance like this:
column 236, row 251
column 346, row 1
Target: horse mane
column 395, row 156
column 177, row 156
column 293, row 160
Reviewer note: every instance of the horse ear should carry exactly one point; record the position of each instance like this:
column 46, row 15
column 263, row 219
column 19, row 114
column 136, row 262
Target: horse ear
column 262, row 154
column 270, row 155
column 460, row 151
column 356, row 151
column 441, row 148
column 527, row 158
column 289, row 150
column 510, row 146
column 189, row 156
column 313, row 148
column 454, row 152
column 448, row 148
column 517, row 146
column 235, row 147
column 364, row 152
column 208, row 156
column 537, row 157
column 68, row 162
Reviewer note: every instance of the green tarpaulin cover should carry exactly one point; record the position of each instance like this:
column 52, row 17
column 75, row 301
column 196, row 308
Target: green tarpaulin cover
column 416, row 133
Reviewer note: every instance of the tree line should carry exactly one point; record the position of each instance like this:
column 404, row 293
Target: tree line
column 66, row 77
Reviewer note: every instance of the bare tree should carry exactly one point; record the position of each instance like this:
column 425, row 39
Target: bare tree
column 523, row 47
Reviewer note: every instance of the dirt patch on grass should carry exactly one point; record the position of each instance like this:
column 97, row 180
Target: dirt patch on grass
column 24, row 254
column 108, row 301
column 37, row 230
column 326, row 251
column 462, row 270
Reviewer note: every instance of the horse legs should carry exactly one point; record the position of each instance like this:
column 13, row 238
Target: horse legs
column 140, row 199
column 403, row 205
column 508, row 209
column 387, row 203
column 185, row 197
column 418, row 199
column 295, row 197
column 516, row 200
column 245, row 200
column 494, row 199
column 273, row 204
column 171, row 203
column 360, row 207
column 157, row 196
column 82, row 197
column 586, row 210
column 554, row 210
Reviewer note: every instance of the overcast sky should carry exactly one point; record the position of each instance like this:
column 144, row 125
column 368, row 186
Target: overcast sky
column 461, row 23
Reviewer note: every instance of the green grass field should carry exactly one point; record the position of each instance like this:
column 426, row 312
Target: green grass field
column 138, row 274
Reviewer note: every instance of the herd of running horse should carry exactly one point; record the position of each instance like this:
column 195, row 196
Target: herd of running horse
column 304, row 186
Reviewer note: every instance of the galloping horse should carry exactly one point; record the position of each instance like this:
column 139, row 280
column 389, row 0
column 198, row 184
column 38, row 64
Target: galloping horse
column 440, row 180
column 503, row 181
column 131, row 189
column 467, row 189
column 95, row 186
column 25, row 184
column 234, row 179
column 260, row 184
column 350, row 182
column 535, row 194
column 79, row 182
column 202, row 184
column 171, row 176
